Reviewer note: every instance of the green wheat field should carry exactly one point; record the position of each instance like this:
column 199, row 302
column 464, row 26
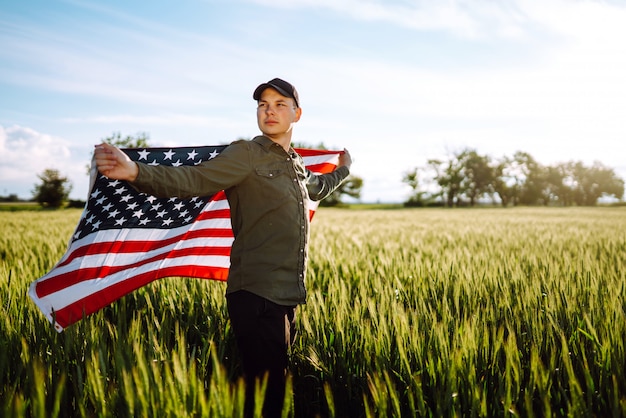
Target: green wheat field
column 426, row 312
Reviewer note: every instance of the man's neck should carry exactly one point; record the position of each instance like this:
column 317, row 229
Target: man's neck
column 282, row 140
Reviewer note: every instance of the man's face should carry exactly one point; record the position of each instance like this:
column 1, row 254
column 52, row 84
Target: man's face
column 276, row 113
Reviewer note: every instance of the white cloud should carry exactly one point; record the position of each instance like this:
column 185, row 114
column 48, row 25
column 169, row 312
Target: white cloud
column 25, row 153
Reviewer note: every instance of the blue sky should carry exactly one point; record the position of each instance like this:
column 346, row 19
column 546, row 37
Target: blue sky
column 397, row 82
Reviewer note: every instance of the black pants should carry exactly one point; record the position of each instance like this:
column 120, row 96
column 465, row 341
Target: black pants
column 264, row 331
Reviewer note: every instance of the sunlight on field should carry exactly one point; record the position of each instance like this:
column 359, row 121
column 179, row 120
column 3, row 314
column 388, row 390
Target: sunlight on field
column 424, row 312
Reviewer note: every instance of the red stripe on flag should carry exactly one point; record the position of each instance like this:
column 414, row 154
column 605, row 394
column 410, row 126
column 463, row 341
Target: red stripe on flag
column 306, row 152
column 95, row 301
column 322, row 167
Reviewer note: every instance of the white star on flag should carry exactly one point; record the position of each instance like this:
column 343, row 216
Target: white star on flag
column 169, row 154
column 143, row 154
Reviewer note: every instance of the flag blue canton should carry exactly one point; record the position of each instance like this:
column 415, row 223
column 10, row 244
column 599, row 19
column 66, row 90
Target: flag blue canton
column 115, row 204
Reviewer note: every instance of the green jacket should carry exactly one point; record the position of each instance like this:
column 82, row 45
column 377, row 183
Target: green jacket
column 267, row 189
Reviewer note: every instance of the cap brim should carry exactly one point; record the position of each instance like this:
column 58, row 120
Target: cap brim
column 259, row 90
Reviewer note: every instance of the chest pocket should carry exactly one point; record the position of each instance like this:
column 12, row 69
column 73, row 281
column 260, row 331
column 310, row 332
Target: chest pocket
column 274, row 182
column 269, row 173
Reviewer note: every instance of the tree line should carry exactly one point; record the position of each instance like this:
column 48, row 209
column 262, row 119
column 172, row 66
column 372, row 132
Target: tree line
column 466, row 178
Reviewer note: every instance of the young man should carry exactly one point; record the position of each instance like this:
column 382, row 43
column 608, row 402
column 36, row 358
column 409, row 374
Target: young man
column 267, row 187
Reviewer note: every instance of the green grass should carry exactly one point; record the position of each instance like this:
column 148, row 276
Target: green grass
column 424, row 312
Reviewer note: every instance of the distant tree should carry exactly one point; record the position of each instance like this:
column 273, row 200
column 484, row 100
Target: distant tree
column 591, row 183
column 10, row 198
column 508, row 181
column 533, row 179
column 53, row 190
column 420, row 195
column 478, row 175
column 555, row 188
column 412, row 179
column 449, row 175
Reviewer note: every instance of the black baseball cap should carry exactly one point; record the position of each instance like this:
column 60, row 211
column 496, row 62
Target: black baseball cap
column 281, row 86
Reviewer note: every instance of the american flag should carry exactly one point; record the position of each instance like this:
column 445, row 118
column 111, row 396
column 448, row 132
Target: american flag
column 126, row 239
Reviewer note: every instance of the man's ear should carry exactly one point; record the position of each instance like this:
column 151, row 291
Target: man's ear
column 298, row 114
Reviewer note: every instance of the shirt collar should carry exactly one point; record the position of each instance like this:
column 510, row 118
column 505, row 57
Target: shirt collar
column 264, row 141
column 267, row 143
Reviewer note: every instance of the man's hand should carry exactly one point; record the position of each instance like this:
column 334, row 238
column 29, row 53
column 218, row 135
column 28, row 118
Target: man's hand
column 114, row 164
column 345, row 159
